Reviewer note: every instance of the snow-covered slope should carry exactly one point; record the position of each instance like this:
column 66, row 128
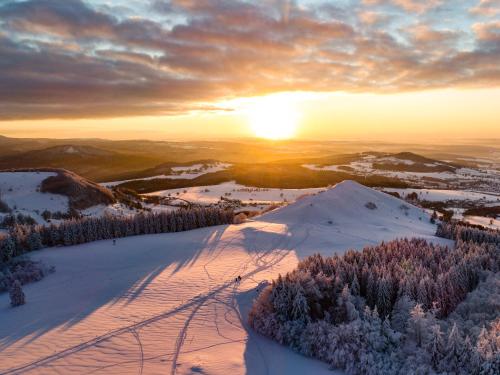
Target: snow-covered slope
column 339, row 218
column 21, row 192
column 169, row 304
column 32, row 191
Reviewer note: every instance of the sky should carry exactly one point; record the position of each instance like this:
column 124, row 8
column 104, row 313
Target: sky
column 194, row 69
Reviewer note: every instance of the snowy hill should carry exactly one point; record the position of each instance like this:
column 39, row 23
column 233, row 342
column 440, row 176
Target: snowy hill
column 31, row 192
column 21, row 192
column 340, row 217
column 169, row 304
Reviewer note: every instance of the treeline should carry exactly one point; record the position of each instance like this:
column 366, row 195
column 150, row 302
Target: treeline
column 380, row 310
column 22, row 238
column 11, row 220
column 463, row 232
column 491, row 212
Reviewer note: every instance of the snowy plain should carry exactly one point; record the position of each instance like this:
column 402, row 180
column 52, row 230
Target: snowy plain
column 168, row 303
column 231, row 190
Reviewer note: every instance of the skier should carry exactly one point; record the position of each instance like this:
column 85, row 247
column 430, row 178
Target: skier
column 114, row 242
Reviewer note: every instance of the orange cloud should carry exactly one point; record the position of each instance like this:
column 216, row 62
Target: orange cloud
column 68, row 59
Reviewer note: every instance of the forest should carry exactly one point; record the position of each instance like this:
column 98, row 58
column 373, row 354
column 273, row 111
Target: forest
column 22, row 239
column 398, row 307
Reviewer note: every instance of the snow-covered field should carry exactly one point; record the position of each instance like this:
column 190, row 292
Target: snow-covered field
column 487, row 179
column 436, row 195
column 168, row 303
column 231, row 190
column 184, row 172
column 484, row 221
column 20, row 190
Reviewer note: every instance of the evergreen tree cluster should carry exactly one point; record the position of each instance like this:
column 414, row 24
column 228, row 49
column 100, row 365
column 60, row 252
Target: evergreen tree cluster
column 462, row 232
column 24, row 270
column 23, row 238
column 12, row 220
column 16, row 294
column 382, row 310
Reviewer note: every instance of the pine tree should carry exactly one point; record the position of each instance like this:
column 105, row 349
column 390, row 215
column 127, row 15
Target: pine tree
column 7, row 248
column 417, row 326
column 300, row 308
column 401, row 313
column 384, row 297
column 355, row 288
column 345, row 311
column 435, row 346
column 34, row 241
column 454, row 351
column 16, row 294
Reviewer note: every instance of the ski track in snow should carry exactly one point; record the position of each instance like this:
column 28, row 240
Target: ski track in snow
column 205, row 333
column 194, row 305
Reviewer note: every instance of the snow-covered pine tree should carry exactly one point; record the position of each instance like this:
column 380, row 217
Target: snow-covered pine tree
column 435, row 346
column 452, row 362
column 417, row 326
column 384, row 296
column 345, row 311
column 34, row 240
column 16, row 294
column 7, row 249
column 401, row 313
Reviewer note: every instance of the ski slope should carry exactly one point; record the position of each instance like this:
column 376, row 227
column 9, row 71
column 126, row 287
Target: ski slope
column 168, row 303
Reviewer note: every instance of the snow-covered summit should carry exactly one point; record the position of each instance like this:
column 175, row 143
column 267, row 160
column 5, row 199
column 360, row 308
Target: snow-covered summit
column 346, row 201
column 352, row 215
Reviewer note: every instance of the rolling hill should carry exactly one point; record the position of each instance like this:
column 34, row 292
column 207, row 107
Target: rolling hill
column 33, row 191
column 91, row 162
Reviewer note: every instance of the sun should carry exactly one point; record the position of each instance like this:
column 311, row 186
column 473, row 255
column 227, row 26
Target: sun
column 273, row 118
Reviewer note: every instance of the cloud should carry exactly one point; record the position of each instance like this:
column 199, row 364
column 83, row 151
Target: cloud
column 488, row 8
column 488, row 32
column 418, row 6
column 71, row 59
column 372, row 18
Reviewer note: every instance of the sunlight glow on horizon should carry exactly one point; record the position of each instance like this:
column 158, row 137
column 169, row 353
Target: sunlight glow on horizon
column 273, row 117
column 410, row 116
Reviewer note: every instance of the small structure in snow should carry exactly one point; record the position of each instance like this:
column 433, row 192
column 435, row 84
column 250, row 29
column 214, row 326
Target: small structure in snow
column 371, row 205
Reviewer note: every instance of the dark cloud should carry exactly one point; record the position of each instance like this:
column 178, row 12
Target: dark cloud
column 70, row 59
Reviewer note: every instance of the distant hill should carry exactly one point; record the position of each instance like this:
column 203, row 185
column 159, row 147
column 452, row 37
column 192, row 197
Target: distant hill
column 90, row 162
column 401, row 161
